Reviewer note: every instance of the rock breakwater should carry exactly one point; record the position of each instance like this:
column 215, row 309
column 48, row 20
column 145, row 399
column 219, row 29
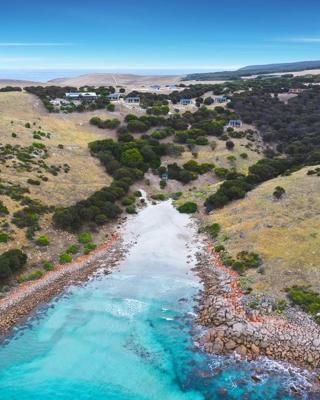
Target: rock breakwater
column 231, row 327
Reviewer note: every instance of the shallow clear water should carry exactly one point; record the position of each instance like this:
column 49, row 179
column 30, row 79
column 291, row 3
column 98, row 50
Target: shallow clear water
column 126, row 335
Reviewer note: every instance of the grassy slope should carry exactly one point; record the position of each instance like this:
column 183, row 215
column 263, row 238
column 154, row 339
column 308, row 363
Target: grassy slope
column 72, row 130
column 85, row 176
column 286, row 233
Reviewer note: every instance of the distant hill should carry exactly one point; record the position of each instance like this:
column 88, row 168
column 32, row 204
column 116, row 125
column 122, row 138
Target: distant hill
column 255, row 70
column 102, row 79
column 19, row 83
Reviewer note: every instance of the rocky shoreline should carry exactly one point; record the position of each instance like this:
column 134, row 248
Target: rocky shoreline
column 21, row 301
column 233, row 328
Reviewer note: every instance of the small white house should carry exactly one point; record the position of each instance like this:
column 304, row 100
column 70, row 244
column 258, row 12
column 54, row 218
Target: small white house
column 221, row 99
column 114, row 96
column 234, row 123
column 81, row 96
column 133, row 100
column 186, row 102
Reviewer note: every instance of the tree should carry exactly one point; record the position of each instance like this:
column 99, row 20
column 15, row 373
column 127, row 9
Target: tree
column 188, row 208
column 229, row 144
column 132, row 158
column 278, row 192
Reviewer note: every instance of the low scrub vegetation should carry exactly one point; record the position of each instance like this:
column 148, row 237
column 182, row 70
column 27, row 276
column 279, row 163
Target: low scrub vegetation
column 11, row 261
column 188, row 208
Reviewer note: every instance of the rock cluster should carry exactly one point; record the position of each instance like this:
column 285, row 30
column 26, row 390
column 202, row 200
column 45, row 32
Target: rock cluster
column 231, row 327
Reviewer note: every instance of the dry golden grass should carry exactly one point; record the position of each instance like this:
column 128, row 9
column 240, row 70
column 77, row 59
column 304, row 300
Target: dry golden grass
column 71, row 130
column 219, row 156
column 86, row 175
column 286, row 233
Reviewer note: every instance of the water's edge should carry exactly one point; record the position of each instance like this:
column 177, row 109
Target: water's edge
column 128, row 334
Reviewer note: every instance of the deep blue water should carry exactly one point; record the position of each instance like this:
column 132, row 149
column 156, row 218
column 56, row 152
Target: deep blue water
column 126, row 335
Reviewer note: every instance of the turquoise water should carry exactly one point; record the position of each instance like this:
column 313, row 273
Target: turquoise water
column 126, row 335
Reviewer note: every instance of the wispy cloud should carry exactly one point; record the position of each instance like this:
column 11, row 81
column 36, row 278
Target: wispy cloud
column 311, row 39
column 34, row 44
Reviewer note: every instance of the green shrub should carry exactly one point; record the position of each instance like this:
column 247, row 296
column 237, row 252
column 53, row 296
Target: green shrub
column 176, row 195
column 11, row 261
column 65, row 258
column 48, row 265
column 33, row 276
column 27, row 125
column 219, row 248
column 159, row 196
column 111, row 107
column 137, row 193
column 131, row 209
column 249, row 259
column 304, row 297
column 33, row 182
column 85, row 237
column 244, row 155
column 213, row 230
column 4, row 237
column 221, row 172
column 188, row 208
column 43, row 240
column 3, row 209
column 73, row 249
column 89, row 247
column 278, row 192
column 127, row 201
column 163, row 184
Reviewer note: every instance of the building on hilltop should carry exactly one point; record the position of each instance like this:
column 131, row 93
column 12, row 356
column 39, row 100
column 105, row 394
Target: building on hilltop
column 81, row 96
column 133, row 100
column 186, row 102
column 221, row 99
column 234, row 123
column 297, row 90
column 114, row 96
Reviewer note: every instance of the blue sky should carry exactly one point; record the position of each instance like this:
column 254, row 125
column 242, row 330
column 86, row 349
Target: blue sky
column 162, row 34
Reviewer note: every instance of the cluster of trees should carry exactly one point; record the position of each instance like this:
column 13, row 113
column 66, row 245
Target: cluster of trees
column 144, row 123
column 150, row 99
column 11, row 89
column 126, row 161
column 162, row 133
column 158, row 109
column 10, row 262
column 294, row 127
column 29, row 216
column 244, row 260
column 188, row 208
column 47, row 93
column 180, row 174
column 237, row 185
column 306, row 298
column 105, row 124
column 188, row 172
